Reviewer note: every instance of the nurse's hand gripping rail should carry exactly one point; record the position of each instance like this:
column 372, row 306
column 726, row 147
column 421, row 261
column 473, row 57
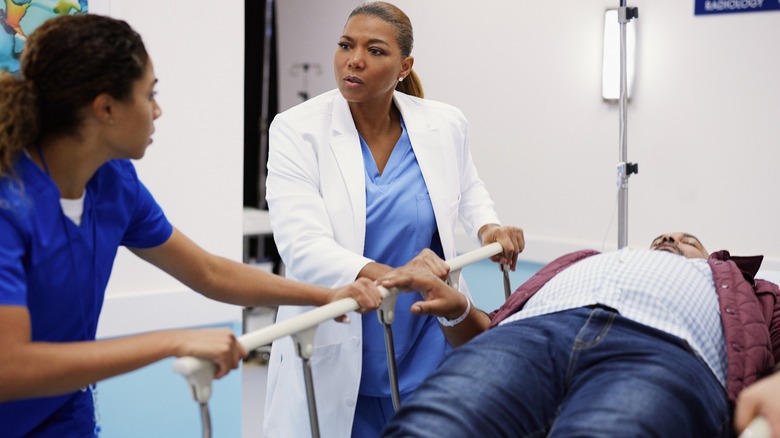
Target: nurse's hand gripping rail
column 200, row 372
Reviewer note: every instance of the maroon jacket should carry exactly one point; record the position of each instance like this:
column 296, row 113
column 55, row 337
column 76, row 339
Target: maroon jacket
column 749, row 311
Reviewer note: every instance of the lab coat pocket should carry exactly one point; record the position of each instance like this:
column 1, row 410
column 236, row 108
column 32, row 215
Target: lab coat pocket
column 325, row 353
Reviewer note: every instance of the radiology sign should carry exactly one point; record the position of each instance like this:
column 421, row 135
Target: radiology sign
column 704, row 7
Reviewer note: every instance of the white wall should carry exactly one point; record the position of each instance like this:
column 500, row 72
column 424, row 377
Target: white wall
column 194, row 167
column 702, row 123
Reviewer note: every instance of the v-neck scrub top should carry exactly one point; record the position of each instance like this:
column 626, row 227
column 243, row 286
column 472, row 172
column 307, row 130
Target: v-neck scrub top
column 399, row 224
column 59, row 271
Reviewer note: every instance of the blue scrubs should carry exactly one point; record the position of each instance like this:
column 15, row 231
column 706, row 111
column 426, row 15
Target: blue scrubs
column 59, row 271
column 399, row 224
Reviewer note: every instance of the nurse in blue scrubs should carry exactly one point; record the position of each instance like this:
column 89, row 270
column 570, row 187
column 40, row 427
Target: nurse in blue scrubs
column 69, row 197
column 362, row 179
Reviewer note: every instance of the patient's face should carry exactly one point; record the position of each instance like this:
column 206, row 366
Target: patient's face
column 684, row 244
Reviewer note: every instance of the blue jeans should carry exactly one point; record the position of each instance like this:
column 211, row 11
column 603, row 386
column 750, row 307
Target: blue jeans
column 371, row 415
column 585, row 372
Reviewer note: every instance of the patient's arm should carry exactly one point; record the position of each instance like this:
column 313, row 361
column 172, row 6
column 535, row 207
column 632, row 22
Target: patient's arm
column 440, row 300
column 475, row 323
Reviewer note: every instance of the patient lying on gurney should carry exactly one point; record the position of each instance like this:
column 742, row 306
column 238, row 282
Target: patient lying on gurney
column 633, row 343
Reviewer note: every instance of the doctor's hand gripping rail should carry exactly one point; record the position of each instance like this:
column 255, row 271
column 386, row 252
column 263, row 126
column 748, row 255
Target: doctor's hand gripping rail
column 200, row 372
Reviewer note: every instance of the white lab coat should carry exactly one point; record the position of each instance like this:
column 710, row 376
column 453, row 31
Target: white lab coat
column 317, row 202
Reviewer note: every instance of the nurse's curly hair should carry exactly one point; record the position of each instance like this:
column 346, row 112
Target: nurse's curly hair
column 404, row 36
column 17, row 123
column 67, row 62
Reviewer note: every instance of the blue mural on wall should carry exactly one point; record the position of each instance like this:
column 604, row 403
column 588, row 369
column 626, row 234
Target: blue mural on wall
column 705, row 7
column 18, row 18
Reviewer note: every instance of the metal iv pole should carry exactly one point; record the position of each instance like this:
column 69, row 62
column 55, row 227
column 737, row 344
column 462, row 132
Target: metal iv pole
column 625, row 169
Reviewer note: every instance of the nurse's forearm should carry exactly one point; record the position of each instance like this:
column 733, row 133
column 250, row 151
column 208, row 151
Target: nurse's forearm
column 227, row 280
column 373, row 270
column 38, row 369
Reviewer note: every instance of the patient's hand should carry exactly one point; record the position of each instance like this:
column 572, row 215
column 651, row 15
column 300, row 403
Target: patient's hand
column 440, row 298
column 761, row 398
column 428, row 259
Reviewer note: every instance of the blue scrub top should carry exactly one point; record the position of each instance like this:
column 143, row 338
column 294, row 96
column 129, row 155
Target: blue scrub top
column 59, row 271
column 399, row 224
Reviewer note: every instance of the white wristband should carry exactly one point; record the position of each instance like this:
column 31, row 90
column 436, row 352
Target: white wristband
column 453, row 322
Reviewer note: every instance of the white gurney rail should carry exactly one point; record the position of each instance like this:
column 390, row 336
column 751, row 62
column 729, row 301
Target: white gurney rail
column 200, row 372
column 758, row 428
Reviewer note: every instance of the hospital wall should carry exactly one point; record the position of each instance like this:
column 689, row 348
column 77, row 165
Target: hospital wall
column 703, row 121
column 702, row 124
column 194, row 166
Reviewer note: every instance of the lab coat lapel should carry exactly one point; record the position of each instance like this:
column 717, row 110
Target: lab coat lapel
column 345, row 145
column 427, row 146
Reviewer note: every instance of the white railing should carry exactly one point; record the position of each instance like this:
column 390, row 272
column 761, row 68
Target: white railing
column 200, row 372
column 758, row 428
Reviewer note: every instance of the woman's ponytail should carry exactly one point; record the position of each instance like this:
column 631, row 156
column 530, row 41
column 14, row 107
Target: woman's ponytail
column 19, row 122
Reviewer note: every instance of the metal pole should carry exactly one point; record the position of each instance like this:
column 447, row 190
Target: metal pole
column 507, row 281
column 264, row 100
column 309, row 381
column 391, row 368
column 386, row 315
column 625, row 169
column 205, row 419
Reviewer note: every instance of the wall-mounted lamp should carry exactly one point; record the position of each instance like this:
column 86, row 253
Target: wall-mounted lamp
column 610, row 85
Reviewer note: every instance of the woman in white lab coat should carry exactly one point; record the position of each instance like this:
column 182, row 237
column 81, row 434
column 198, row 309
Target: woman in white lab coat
column 360, row 180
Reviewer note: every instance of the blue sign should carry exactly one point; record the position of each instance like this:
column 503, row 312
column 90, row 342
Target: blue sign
column 704, row 7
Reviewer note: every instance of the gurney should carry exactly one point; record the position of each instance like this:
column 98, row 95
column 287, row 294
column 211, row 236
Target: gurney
column 200, row 372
